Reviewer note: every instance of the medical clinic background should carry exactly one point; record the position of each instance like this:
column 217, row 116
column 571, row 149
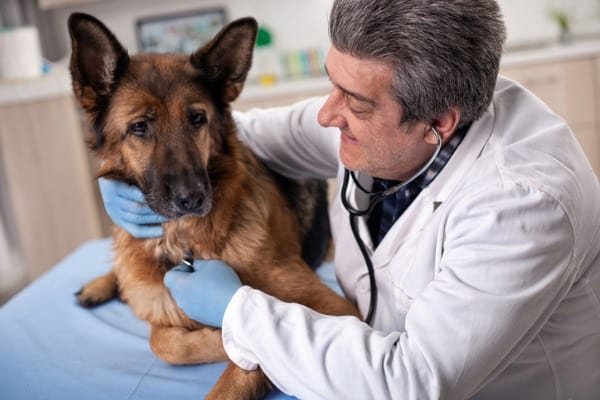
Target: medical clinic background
column 49, row 201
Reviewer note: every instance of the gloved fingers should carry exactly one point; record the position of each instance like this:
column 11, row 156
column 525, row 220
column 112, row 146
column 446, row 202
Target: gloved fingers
column 111, row 188
column 132, row 200
column 140, row 215
column 128, row 192
column 219, row 269
column 126, row 206
column 182, row 271
column 176, row 274
column 127, row 197
column 204, row 293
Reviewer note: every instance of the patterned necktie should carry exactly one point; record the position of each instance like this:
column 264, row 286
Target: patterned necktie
column 388, row 209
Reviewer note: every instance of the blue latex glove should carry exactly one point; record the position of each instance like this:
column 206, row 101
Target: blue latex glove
column 204, row 290
column 127, row 207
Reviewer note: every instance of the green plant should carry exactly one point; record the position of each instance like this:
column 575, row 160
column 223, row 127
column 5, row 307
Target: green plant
column 562, row 20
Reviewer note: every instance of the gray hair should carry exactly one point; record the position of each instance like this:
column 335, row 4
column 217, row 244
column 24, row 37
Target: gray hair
column 445, row 53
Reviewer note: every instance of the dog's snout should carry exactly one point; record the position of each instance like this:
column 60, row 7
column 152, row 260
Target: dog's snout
column 189, row 200
column 190, row 197
column 179, row 188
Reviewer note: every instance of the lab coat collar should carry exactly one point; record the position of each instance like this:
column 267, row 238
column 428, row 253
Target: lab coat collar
column 413, row 220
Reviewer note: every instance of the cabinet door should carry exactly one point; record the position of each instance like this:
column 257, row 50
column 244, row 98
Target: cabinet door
column 567, row 87
column 47, row 183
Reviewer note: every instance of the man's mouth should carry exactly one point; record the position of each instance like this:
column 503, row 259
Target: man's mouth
column 346, row 132
column 346, row 137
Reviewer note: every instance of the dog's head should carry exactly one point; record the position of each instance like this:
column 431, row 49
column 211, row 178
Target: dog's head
column 159, row 121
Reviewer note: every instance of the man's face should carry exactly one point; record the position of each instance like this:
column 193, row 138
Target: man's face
column 362, row 106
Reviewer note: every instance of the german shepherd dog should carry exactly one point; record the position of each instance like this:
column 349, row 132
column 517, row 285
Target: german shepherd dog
column 163, row 123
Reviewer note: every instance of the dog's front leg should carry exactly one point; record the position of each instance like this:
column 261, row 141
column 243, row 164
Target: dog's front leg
column 178, row 346
column 239, row 384
column 98, row 291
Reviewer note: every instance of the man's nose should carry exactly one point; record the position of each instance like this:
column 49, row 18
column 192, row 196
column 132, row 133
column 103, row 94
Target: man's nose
column 329, row 114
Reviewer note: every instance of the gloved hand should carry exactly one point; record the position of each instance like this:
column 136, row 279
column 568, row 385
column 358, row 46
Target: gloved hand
column 127, row 207
column 204, row 291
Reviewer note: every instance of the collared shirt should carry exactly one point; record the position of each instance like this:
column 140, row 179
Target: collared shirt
column 391, row 207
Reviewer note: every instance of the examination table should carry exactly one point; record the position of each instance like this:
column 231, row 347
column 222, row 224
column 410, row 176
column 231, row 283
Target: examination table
column 51, row 348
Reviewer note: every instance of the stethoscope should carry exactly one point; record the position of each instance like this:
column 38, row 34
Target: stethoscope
column 374, row 199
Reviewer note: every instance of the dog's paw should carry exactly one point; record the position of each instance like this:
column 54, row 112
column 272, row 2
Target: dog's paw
column 86, row 299
column 89, row 298
column 98, row 291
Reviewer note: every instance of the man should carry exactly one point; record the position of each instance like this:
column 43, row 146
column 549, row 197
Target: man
column 486, row 265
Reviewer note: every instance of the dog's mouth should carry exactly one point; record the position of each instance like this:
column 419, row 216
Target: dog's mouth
column 197, row 203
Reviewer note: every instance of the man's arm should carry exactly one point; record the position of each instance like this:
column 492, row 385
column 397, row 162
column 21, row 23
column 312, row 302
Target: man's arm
column 290, row 140
column 508, row 261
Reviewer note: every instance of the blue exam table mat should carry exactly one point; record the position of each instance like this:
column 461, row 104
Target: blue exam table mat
column 51, row 348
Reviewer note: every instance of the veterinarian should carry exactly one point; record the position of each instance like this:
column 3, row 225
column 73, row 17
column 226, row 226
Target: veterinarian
column 486, row 265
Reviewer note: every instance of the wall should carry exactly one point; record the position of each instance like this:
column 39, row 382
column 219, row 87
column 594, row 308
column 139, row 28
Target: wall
column 303, row 24
column 530, row 21
column 295, row 24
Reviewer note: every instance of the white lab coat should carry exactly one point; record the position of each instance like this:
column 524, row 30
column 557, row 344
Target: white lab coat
column 489, row 283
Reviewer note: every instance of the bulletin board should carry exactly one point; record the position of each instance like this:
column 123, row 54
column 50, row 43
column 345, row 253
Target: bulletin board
column 179, row 33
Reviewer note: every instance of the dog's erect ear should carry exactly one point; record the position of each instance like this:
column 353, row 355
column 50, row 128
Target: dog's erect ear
column 228, row 57
column 97, row 60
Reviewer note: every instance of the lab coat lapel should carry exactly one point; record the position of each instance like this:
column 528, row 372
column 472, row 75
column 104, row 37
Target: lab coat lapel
column 415, row 218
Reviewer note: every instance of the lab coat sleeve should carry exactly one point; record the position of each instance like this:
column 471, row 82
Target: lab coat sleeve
column 304, row 353
column 508, row 261
column 290, row 140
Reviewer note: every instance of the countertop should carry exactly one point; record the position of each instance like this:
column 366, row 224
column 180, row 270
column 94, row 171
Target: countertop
column 551, row 52
column 58, row 83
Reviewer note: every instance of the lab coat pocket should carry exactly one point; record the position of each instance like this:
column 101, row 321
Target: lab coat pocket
column 411, row 270
column 400, row 268
column 402, row 304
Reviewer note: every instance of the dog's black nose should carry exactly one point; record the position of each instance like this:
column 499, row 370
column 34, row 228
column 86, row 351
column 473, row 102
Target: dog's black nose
column 189, row 200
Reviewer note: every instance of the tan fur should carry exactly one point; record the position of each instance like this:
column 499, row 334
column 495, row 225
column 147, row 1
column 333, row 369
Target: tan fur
column 250, row 225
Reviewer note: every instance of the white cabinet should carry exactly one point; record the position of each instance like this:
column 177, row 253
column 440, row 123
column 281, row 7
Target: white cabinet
column 48, row 190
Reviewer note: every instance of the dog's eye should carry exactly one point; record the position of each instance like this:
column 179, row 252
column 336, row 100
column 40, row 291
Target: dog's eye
column 139, row 128
column 197, row 119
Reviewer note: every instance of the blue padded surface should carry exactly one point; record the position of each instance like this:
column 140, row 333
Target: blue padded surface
column 50, row 348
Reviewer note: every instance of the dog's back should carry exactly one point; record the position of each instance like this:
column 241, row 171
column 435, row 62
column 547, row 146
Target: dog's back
column 308, row 200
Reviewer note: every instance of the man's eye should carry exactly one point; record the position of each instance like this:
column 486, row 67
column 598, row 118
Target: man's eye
column 139, row 128
column 197, row 119
column 360, row 113
column 357, row 108
column 357, row 111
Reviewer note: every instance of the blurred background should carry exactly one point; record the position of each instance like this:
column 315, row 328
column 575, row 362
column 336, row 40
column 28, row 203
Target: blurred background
column 49, row 203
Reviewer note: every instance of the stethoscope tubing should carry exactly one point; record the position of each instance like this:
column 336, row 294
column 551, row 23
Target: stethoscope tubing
column 375, row 198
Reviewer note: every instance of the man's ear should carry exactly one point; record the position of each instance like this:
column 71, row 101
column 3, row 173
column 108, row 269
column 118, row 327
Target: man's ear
column 97, row 60
column 446, row 124
column 227, row 58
